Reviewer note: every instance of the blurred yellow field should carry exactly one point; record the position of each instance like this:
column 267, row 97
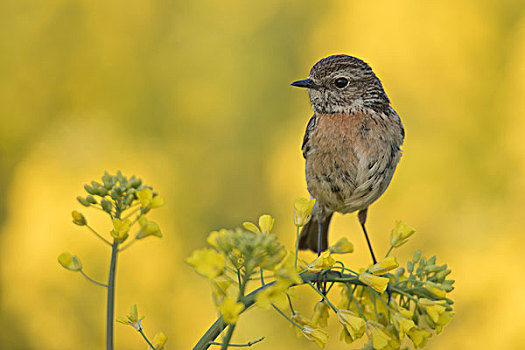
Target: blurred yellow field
column 194, row 97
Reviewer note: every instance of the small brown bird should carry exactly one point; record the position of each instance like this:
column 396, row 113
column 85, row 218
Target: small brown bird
column 351, row 145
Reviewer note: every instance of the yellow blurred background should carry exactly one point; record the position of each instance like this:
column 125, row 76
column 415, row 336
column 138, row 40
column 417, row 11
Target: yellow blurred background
column 194, row 97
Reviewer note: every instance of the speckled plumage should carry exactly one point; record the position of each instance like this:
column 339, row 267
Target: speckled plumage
column 352, row 142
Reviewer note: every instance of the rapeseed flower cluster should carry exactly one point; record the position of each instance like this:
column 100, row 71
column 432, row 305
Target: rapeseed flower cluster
column 386, row 304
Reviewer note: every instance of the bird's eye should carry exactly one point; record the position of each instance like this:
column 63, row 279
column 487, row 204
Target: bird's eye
column 341, row 82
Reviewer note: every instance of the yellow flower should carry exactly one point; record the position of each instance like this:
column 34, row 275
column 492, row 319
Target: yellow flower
column 265, row 224
column 159, row 340
column 443, row 320
column 400, row 234
column 434, row 289
column 230, row 310
column 322, row 262
column 342, row 246
column 70, row 262
column 238, row 255
column 287, row 270
column 214, row 235
column 219, row 289
column 317, row 335
column 354, row 325
column 402, row 324
column 419, row 337
column 380, row 338
column 78, row 218
column 379, row 284
column 274, row 294
column 120, row 229
column 207, row 262
column 303, row 211
column 147, row 200
column 433, row 308
column 321, row 313
column 384, row 266
column 148, row 228
column 250, row 226
column 132, row 319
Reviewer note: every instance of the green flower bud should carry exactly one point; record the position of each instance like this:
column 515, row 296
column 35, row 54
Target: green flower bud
column 106, row 205
column 129, row 199
column 70, row 262
column 90, row 190
column 410, row 267
column 432, row 268
column 78, row 218
column 91, row 199
column 102, row 191
column 432, row 260
column 417, row 256
column 108, row 181
column 400, row 271
column 114, row 194
column 83, row 201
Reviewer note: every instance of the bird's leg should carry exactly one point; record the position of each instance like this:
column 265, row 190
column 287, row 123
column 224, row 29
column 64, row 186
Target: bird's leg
column 321, row 285
column 362, row 220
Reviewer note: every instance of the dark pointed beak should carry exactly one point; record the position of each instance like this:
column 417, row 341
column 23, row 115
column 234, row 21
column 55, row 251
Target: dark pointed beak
column 306, row 83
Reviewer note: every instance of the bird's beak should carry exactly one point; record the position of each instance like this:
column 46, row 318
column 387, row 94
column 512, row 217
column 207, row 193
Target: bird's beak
column 306, row 83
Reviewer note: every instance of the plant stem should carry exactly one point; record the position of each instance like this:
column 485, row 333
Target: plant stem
column 323, row 296
column 389, row 250
column 97, row 234
column 219, row 325
column 248, row 344
column 111, row 296
column 228, row 337
column 146, row 339
column 92, row 280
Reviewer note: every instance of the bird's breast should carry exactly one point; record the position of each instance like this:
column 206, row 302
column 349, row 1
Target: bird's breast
column 350, row 160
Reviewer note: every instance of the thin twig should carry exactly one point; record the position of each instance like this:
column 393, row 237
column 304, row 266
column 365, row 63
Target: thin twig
column 92, row 280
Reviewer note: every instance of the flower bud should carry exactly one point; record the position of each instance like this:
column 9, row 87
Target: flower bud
column 303, row 211
column 70, row 262
column 78, row 218
column 83, row 201
column 106, row 205
column 90, row 189
column 342, row 246
column 400, row 234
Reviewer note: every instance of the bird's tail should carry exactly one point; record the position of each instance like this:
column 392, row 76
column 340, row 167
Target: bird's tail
column 308, row 239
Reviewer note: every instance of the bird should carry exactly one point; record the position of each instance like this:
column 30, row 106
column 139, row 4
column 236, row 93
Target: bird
column 351, row 146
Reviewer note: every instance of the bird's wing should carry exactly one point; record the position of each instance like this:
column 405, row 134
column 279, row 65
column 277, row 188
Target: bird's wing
column 309, row 128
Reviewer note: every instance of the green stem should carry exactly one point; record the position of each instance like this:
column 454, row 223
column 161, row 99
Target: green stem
column 127, row 245
column 288, row 318
column 262, row 276
column 290, row 303
column 323, row 296
column 92, row 280
column 110, row 311
column 228, row 337
column 389, row 250
column 404, row 293
column 146, row 339
column 357, row 304
column 219, row 325
column 248, row 344
column 98, row 235
column 131, row 213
